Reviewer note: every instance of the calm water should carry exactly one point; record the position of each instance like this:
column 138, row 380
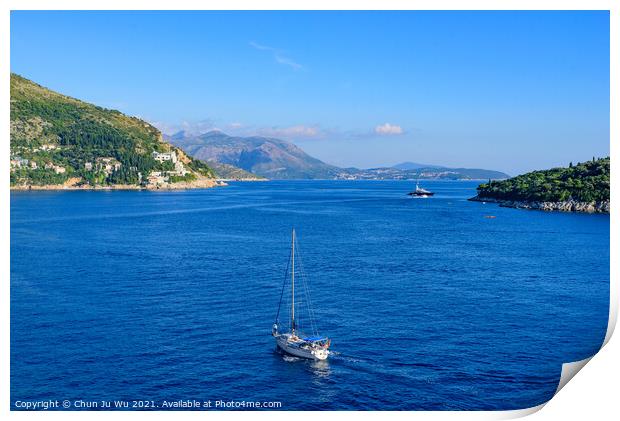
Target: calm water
column 171, row 295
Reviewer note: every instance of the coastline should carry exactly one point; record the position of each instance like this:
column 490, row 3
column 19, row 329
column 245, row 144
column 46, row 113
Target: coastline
column 563, row 206
column 226, row 180
column 205, row 183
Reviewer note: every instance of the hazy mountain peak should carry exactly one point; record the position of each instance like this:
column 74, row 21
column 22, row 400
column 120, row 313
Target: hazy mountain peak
column 269, row 157
column 414, row 166
column 181, row 134
column 214, row 132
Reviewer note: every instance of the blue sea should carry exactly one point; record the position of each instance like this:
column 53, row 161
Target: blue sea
column 431, row 304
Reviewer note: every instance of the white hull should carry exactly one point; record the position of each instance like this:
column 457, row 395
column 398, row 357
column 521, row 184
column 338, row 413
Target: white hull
column 310, row 353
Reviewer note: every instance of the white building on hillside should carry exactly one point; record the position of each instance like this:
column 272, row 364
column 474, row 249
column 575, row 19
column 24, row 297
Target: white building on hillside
column 179, row 169
column 107, row 164
column 165, row 156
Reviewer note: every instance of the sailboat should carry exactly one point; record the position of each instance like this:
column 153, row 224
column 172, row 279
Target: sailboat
column 420, row 192
column 294, row 340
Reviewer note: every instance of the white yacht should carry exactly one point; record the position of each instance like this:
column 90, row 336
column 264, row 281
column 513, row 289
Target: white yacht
column 420, row 192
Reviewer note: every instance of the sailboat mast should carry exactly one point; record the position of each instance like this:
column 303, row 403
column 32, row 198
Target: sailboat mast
column 293, row 283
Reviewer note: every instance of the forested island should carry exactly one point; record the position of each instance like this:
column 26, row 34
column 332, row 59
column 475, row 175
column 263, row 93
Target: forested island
column 583, row 187
column 61, row 142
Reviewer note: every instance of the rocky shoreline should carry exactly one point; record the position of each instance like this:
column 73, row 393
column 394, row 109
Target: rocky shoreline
column 201, row 183
column 564, row 206
column 249, row 180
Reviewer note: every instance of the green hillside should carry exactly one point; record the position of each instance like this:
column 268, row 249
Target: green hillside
column 57, row 139
column 230, row 172
column 584, row 182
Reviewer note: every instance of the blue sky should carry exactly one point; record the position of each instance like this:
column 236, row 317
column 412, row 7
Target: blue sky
column 511, row 91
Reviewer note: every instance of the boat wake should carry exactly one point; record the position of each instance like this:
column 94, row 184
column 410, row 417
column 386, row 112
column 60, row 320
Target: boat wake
column 291, row 359
column 333, row 355
column 338, row 356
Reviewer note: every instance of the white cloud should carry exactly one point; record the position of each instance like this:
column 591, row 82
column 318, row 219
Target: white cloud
column 260, row 46
column 278, row 55
column 287, row 61
column 236, row 128
column 388, row 129
column 301, row 132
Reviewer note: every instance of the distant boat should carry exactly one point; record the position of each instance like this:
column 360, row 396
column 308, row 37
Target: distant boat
column 420, row 192
column 294, row 341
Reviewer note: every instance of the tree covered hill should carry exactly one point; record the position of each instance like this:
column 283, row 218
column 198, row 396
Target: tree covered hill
column 584, row 182
column 57, row 139
column 230, row 172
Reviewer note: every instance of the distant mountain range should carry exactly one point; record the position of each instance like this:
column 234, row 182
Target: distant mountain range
column 267, row 157
column 426, row 172
column 279, row 159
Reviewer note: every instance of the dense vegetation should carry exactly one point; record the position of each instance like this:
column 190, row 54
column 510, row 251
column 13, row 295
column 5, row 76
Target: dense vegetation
column 584, row 182
column 182, row 178
column 53, row 130
column 202, row 168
